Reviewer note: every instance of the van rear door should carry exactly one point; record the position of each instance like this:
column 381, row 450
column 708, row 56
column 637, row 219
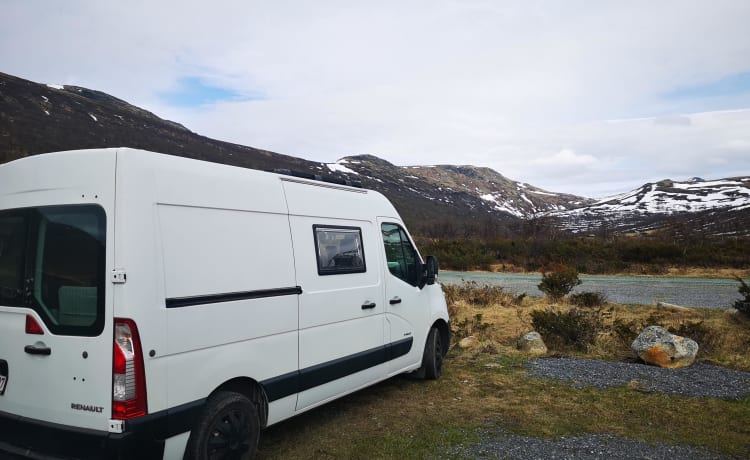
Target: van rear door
column 52, row 296
column 56, row 339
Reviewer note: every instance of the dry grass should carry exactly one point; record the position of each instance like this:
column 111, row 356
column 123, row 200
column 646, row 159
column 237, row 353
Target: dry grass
column 488, row 386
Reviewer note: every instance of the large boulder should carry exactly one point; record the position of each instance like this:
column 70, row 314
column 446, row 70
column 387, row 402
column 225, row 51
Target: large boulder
column 657, row 346
column 532, row 343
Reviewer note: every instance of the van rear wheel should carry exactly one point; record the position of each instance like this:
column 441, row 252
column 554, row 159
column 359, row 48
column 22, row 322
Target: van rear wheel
column 228, row 428
column 432, row 361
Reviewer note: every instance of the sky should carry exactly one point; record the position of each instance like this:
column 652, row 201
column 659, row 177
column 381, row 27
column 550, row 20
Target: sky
column 585, row 97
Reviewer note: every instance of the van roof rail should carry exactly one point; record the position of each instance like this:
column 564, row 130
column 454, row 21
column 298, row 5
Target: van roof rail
column 318, row 177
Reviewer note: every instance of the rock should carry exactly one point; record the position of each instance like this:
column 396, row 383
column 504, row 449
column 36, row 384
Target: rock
column 468, row 342
column 657, row 346
column 671, row 306
column 532, row 343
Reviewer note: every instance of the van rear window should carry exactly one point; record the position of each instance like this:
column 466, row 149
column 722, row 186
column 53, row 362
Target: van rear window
column 339, row 250
column 52, row 259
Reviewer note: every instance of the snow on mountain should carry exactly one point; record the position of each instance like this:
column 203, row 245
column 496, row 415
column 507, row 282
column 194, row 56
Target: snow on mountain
column 670, row 197
column 646, row 207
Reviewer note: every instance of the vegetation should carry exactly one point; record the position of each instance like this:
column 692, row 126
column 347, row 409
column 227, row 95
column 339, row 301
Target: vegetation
column 488, row 387
column 588, row 299
column 743, row 305
column 559, row 282
column 561, row 329
column 588, row 255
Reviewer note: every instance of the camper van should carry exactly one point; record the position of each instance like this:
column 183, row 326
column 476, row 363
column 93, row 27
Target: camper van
column 153, row 306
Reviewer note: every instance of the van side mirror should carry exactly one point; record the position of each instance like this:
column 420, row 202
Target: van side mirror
column 431, row 270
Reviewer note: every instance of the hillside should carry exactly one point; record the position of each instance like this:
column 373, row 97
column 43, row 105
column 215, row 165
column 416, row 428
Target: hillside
column 37, row 118
column 442, row 201
column 694, row 208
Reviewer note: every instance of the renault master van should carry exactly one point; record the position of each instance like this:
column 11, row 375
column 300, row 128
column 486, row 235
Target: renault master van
column 153, row 306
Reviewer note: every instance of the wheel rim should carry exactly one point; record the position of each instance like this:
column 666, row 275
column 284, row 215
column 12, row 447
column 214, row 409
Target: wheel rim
column 230, row 436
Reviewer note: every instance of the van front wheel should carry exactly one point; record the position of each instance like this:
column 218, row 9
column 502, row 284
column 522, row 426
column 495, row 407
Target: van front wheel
column 229, row 428
column 432, row 361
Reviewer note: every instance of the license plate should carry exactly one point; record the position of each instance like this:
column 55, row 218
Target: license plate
column 3, row 376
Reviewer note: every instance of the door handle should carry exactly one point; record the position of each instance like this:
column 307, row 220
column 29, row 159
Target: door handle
column 37, row 350
column 395, row 300
column 368, row 305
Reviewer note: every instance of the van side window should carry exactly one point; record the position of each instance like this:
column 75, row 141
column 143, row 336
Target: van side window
column 339, row 250
column 402, row 258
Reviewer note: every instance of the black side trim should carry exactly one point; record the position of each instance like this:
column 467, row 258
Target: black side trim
column 281, row 386
column 295, row 382
column 178, row 302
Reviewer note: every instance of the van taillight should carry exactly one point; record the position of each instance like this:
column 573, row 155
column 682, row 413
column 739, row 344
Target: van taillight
column 128, row 376
column 32, row 327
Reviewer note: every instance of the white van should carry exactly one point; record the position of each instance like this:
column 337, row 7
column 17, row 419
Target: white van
column 153, row 306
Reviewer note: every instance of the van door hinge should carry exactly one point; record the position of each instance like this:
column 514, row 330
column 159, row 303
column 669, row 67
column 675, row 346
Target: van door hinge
column 119, row 276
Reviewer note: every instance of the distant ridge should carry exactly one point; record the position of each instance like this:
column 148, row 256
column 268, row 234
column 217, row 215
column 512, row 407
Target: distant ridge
column 438, row 201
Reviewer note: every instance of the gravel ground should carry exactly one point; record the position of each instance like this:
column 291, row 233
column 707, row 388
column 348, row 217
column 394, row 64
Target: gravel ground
column 502, row 445
column 699, row 380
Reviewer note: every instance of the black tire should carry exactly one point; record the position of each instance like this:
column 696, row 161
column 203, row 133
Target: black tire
column 228, row 428
column 432, row 361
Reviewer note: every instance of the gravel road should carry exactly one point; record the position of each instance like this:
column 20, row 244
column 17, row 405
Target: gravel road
column 699, row 380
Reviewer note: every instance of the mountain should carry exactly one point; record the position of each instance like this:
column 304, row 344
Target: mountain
column 437, row 201
column 715, row 207
column 37, row 118
column 480, row 189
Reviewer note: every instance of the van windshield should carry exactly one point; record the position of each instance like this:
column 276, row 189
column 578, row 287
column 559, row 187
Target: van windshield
column 52, row 259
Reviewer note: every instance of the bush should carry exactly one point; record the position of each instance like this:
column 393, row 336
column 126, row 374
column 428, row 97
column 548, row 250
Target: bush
column 626, row 332
column 588, row 299
column 743, row 306
column 559, row 282
column 703, row 336
column 481, row 295
column 469, row 326
column 575, row 328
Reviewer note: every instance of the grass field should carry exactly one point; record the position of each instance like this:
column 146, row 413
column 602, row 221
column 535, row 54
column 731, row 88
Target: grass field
column 488, row 386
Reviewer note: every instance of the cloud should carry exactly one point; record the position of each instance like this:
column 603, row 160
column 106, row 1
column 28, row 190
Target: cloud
column 673, row 120
column 494, row 83
column 566, row 158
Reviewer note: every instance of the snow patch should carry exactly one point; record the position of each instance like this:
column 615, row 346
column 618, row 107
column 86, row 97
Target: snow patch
column 539, row 192
column 93, row 117
column 339, row 167
column 55, row 86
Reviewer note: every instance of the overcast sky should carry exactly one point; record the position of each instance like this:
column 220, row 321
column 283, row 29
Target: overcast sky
column 585, row 97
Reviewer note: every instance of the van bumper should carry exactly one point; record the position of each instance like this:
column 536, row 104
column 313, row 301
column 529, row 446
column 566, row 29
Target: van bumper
column 143, row 437
column 21, row 437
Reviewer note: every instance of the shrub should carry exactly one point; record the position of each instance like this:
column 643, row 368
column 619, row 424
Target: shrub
column 588, row 299
column 626, row 332
column 559, row 282
column 469, row 326
column 702, row 334
column 575, row 328
column 743, row 306
column 481, row 295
